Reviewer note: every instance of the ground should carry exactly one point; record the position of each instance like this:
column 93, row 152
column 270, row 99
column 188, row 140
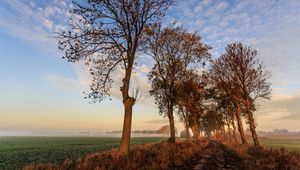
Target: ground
column 15, row 152
column 216, row 156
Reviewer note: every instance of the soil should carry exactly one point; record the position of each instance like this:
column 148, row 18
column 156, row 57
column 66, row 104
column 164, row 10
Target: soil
column 217, row 156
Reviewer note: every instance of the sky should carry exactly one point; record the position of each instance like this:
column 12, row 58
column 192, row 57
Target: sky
column 43, row 93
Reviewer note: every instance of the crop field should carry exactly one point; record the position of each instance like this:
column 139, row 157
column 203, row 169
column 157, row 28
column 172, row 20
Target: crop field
column 289, row 143
column 15, row 152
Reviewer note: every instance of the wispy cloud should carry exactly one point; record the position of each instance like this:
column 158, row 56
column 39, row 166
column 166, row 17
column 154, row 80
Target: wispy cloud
column 83, row 79
column 282, row 111
column 273, row 27
column 34, row 21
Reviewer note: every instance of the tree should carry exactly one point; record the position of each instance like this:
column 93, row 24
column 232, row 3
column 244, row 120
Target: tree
column 183, row 116
column 225, row 106
column 184, row 134
column 106, row 35
column 251, row 79
column 173, row 50
column 165, row 130
column 242, row 76
column 190, row 100
column 213, row 120
column 223, row 79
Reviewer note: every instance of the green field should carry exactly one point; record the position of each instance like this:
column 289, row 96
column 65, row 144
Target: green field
column 289, row 143
column 15, row 152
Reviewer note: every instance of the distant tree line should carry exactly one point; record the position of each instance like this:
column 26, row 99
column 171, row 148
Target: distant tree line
column 163, row 130
column 278, row 132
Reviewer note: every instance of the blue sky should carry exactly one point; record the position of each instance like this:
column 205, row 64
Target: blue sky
column 42, row 92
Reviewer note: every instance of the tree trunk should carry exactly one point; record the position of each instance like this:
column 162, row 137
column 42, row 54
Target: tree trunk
column 252, row 124
column 186, row 123
column 234, row 131
column 216, row 134
column 231, row 120
column 224, row 133
column 229, row 132
column 126, row 133
column 195, row 129
column 171, row 121
column 196, row 132
column 187, row 128
column 240, row 125
column 128, row 103
column 228, row 126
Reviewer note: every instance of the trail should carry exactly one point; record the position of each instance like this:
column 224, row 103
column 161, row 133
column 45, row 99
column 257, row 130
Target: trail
column 217, row 157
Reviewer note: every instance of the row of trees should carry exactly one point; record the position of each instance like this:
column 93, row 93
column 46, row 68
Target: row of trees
column 242, row 78
column 211, row 100
column 107, row 35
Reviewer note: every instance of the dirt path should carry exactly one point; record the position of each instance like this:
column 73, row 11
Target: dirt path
column 216, row 156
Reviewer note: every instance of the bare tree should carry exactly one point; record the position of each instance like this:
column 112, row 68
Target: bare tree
column 173, row 50
column 106, row 35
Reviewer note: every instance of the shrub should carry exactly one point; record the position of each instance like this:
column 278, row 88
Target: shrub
column 262, row 158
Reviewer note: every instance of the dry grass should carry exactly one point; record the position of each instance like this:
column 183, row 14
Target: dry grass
column 264, row 158
column 178, row 155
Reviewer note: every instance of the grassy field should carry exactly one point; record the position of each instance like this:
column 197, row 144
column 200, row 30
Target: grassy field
column 15, row 152
column 289, row 143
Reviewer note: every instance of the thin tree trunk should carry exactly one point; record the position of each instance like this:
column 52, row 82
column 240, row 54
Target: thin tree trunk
column 186, row 123
column 225, row 135
column 252, row 124
column 228, row 126
column 231, row 121
column 234, row 131
column 216, row 134
column 187, row 128
column 195, row 132
column 171, row 121
column 229, row 131
column 240, row 125
column 128, row 103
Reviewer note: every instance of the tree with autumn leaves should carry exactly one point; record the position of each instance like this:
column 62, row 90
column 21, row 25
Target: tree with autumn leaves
column 240, row 74
column 174, row 50
column 191, row 101
column 106, row 36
